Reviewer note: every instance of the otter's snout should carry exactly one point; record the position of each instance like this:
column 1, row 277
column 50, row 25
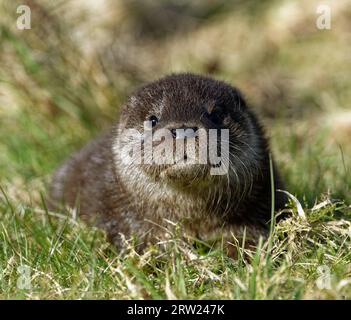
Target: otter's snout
column 184, row 132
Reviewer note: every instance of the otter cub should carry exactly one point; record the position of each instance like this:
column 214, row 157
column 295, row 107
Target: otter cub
column 126, row 196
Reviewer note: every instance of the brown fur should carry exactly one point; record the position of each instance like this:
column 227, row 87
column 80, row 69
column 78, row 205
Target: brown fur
column 136, row 199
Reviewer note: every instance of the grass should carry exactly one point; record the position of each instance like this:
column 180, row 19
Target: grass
column 68, row 260
column 59, row 88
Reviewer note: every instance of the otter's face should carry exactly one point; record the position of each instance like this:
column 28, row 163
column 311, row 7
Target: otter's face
column 208, row 118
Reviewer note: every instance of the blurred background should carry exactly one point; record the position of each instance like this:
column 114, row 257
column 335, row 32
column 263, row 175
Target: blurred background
column 63, row 80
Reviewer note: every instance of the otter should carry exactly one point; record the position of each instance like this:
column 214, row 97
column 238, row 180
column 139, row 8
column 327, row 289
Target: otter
column 133, row 199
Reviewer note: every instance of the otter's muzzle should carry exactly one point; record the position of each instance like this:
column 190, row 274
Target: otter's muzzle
column 184, row 132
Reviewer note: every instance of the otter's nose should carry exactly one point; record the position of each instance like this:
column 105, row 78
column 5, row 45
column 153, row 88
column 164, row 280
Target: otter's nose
column 184, row 132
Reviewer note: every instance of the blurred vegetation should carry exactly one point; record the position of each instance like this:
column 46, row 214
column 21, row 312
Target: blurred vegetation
column 62, row 81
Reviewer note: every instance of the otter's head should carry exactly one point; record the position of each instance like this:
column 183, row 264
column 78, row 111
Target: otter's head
column 219, row 135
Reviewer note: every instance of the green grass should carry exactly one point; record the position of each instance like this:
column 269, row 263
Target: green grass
column 54, row 98
column 68, row 260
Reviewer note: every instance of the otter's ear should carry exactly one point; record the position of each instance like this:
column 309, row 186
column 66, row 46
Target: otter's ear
column 216, row 112
column 209, row 106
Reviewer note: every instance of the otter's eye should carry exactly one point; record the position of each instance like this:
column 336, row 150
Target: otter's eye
column 216, row 118
column 153, row 120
